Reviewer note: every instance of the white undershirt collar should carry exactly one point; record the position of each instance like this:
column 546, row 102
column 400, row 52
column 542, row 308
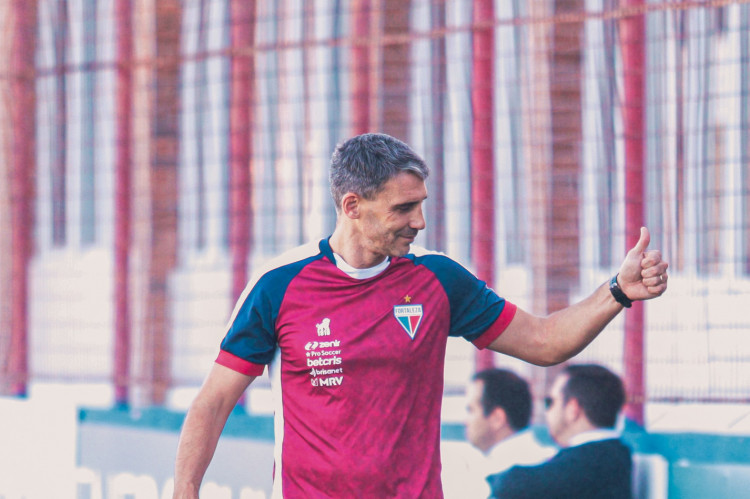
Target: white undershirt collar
column 360, row 273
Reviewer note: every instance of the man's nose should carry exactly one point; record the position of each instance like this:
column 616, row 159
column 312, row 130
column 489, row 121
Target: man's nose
column 418, row 221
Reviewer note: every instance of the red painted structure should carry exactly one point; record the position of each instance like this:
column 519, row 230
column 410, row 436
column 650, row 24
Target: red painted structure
column 361, row 67
column 22, row 172
column 482, row 156
column 240, row 141
column 632, row 31
column 124, row 12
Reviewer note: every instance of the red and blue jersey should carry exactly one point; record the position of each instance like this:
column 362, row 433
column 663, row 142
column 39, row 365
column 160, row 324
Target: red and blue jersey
column 358, row 365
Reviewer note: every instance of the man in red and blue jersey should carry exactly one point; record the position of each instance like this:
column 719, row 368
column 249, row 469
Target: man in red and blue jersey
column 354, row 330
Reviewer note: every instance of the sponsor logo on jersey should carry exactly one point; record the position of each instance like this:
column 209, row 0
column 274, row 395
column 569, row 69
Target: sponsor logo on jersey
column 325, row 372
column 332, row 381
column 323, row 353
column 324, row 328
column 324, row 361
column 324, row 358
column 409, row 316
column 314, row 345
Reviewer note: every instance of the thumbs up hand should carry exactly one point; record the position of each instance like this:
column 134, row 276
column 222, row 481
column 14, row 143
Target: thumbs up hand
column 643, row 273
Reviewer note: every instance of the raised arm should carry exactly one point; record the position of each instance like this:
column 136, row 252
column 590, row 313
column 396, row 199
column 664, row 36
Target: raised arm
column 561, row 335
column 203, row 425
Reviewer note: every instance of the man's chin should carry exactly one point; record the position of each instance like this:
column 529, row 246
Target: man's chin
column 401, row 249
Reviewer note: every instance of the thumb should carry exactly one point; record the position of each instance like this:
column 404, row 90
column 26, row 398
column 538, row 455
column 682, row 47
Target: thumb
column 643, row 242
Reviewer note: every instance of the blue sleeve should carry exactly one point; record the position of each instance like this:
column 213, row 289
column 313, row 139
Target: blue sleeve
column 251, row 334
column 474, row 307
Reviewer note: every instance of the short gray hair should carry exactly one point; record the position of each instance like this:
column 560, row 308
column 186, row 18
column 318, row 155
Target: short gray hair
column 363, row 164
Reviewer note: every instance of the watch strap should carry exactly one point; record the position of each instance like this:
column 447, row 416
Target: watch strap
column 618, row 293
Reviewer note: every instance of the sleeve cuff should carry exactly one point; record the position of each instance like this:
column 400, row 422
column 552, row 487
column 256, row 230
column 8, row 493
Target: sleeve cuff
column 497, row 327
column 242, row 366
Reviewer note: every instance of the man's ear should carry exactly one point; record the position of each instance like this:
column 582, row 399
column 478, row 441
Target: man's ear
column 573, row 409
column 350, row 205
column 498, row 418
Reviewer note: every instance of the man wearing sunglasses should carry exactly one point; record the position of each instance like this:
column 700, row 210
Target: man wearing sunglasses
column 581, row 413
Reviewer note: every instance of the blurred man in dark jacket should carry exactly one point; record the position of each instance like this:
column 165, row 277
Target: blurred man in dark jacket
column 582, row 410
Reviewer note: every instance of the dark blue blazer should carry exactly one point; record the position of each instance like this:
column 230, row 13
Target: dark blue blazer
column 596, row 470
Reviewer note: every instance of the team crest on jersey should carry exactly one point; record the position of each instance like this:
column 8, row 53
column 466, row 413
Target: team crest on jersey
column 409, row 316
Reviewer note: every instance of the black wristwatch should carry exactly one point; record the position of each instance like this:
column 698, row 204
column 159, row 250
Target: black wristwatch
column 617, row 292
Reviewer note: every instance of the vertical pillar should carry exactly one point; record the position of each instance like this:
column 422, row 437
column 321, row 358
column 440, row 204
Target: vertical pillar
column 240, row 140
column 58, row 167
column 536, row 111
column 438, row 64
column 123, row 15
column 632, row 31
column 745, row 135
column 396, row 69
column 361, row 66
column 436, row 207
column 21, row 173
column 157, row 188
column 482, row 155
column 563, row 206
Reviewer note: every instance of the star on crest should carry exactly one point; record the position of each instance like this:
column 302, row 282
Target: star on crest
column 407, row 299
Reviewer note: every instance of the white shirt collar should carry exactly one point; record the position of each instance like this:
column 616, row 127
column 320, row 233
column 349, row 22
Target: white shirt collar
column 360, row 273
column 521, row 448
column 593, row 436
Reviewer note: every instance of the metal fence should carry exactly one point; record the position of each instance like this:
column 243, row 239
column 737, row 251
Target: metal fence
column 154, row 154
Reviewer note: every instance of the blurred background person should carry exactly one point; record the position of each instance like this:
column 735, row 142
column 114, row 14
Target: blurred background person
column 499, row 406
column 582, row 410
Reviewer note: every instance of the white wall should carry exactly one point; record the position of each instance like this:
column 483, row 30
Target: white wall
column 38, row 442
